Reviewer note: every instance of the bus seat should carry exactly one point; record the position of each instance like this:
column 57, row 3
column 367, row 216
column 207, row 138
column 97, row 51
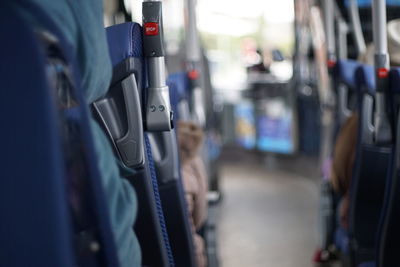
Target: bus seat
column 389, row 245
column 167, row 166
column 179, row 93
column 370, row 172
column 57, row 216
column 120, row 114
column 166, row 157
column 34, row 213
column 346, row 71
column 161, row 149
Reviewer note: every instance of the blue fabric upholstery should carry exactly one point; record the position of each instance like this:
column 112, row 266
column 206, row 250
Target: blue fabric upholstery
column 366, row 78
column 124, row 40
column 34, row 226
column 346, row 71
column 158, row 200
column 181, row 81
column 178, row 90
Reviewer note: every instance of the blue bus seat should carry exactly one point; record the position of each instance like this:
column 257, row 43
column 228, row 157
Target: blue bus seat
column 120, row 114
column 180, row 95
column 346, row 70
column 178, row 87
column 162, row 157
column 166, row 158
column 33, row 200
column 389, row 244
column 52, row 203
column 370, row 172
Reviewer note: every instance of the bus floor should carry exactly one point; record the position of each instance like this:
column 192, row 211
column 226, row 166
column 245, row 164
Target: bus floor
column 268, row 213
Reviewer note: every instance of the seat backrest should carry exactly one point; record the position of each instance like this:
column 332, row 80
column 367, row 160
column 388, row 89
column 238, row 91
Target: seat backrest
column 178, row 84
column 371, row 169
column 33, row 201
column 163, row 160
column 120, row 114
column 52, row 203
column 389, row 244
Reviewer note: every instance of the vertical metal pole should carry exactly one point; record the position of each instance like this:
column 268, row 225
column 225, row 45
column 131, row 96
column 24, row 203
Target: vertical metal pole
column 329, row 19
column 193, row 64
column 356, row 25
column 342, row 38
column 328, row 100
column 383, row 133
column 192, row 37
column 158, row 109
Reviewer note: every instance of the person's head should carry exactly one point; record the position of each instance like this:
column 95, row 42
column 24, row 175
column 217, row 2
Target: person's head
column 190, row 139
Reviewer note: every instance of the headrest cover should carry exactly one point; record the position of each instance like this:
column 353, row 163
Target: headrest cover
column 347, row 72
column 124, row 41
column 180, row 81
column 366, row 79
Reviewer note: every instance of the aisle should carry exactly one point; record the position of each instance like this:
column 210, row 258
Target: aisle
column 267, row 217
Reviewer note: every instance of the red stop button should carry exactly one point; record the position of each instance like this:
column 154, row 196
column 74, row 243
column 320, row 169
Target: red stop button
column 383, row 73
column 151, row 28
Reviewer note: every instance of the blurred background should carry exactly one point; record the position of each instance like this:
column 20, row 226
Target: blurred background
column 266, row 140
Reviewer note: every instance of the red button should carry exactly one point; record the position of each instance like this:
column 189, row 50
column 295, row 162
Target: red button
column 383, row 73
column 151, row 28
column 331, row 63
column 193, row 74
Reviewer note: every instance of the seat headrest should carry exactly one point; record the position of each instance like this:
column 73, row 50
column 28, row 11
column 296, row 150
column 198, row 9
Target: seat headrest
column 366, row 79
column 347, row 72
column 124, row 41
column 395, row 80
column 180, row 82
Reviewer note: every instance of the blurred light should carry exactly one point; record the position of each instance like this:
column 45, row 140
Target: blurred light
column 239, row 18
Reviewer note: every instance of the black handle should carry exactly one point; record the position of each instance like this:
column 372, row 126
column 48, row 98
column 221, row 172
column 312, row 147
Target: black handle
column 153, row 29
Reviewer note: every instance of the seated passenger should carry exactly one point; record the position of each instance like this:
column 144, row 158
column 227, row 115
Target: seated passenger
column 82, row 25
column 195, row 181
column 342, row 164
